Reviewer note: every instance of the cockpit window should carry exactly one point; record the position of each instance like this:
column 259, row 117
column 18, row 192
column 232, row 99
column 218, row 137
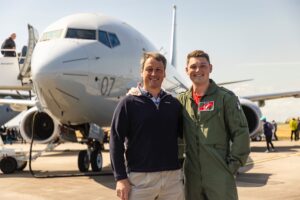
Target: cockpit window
column 114, row 41
column 51, row 35
column 81, row 34
column 103, row 38
column 108, row 39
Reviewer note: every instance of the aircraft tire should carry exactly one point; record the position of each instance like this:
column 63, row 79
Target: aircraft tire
column 96, row 160
column 83, row 161
column 22, row 166
column 8, row 165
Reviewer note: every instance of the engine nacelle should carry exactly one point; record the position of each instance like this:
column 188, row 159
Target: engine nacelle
column 253, row 115
column 46, row 128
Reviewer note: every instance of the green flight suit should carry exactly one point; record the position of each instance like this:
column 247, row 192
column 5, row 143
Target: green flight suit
column 216, row 138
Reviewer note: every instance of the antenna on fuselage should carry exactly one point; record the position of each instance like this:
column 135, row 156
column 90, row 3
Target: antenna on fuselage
column 173, row 50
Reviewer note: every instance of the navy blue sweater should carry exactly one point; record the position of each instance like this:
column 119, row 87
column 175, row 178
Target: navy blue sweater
column 149, row 133
column 268, row 129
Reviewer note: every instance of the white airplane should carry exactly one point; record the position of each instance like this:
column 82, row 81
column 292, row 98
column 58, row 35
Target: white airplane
column 81, row 66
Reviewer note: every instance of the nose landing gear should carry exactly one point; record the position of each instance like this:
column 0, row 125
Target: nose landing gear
column 92, row 156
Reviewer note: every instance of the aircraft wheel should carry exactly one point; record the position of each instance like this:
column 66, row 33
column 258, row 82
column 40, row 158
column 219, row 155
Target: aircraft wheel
column 8, row 165
column 83, row 161
column 22, row 166
column 96, row 160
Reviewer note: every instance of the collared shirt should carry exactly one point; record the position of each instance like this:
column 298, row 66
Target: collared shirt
column 196, row 98
column 156, row 101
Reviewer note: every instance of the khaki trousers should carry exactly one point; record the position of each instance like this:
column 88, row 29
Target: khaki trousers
column 165, row 185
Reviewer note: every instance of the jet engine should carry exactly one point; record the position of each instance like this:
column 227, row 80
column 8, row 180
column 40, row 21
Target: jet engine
column 46, row 128
column 253, row 114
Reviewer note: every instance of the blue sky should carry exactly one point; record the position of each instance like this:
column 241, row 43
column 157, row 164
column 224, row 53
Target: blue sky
column 257, row 39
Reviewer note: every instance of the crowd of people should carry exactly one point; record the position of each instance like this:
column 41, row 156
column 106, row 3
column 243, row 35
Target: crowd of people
column 270, row 131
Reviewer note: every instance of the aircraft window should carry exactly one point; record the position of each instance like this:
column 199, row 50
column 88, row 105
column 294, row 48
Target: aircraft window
column 51, row 35
column 113, row 39
column 103, row 38
column 81, row 34
column 109, row 39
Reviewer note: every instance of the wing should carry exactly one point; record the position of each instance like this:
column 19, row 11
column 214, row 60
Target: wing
column 19, row 104
column 262, row 97
column 232, row 82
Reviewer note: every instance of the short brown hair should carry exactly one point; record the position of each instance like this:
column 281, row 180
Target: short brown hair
column 197, row 54
column 156, row 56
column 13, row 35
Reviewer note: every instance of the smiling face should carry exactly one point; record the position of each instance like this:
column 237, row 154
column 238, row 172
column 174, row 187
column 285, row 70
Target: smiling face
column 153, row 74
column 198, row 69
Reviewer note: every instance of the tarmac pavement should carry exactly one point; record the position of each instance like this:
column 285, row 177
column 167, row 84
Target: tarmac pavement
column 273, row 175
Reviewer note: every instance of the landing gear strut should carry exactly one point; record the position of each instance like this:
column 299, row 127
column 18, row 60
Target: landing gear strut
column 92, row 156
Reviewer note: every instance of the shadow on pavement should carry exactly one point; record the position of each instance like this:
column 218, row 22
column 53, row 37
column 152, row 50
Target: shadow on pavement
column 278, row 148
column 252, row 179
column 105, row 177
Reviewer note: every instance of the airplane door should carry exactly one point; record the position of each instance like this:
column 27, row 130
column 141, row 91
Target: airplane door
column 25, row 70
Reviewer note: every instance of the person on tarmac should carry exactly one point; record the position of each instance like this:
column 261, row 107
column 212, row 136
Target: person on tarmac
column 275, row 129
column 145, row 127
column 215, row 133
column 268, row 132
column 293, row 126
column 9, row 46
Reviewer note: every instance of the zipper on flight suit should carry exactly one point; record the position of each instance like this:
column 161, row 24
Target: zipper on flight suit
column 199, row 124
column 197, row 118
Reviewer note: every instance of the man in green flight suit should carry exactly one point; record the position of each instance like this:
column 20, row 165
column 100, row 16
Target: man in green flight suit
column 216, row 134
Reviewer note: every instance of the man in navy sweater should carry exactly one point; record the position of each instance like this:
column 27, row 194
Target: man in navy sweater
column 143, row 140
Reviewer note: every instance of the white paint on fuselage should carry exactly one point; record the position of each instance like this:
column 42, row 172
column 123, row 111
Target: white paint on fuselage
column 80, row 80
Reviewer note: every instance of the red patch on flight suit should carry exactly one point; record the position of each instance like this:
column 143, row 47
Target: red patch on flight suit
column 206, row 106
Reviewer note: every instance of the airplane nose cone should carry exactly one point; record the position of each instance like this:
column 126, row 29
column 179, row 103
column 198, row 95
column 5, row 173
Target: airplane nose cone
column 51, row 58
column 56, row 66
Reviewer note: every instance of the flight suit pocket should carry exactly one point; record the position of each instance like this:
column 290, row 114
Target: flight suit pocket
column 233, row 166
column 213, row 129
column 219, row 151
column 206, row 116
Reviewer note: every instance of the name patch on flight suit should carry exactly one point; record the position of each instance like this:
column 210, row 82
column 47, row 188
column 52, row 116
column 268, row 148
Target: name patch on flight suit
column 206, row 106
